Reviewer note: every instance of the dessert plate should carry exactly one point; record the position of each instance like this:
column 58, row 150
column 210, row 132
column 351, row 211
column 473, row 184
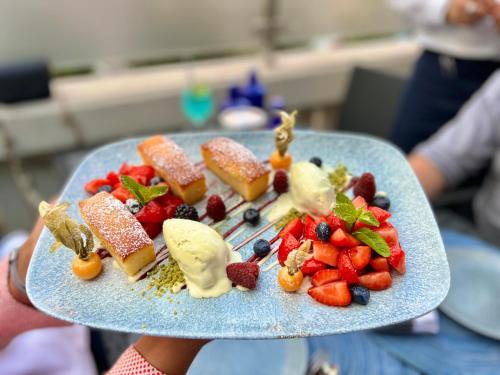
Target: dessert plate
column 109, row 302
column 475, row 287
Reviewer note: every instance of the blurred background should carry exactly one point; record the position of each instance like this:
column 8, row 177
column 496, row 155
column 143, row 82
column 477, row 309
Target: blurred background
column 78, row 74
column 118, row 69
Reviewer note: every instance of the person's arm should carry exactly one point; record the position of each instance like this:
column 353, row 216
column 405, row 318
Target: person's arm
column 149, row 355
column 464, row 145
column 439, row 12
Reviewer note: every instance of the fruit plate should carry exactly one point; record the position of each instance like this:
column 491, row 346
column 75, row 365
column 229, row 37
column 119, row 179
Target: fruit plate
column 109, row 302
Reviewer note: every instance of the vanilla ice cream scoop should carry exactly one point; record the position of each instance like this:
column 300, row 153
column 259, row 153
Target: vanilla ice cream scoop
column 310, row 191
column 202, row 256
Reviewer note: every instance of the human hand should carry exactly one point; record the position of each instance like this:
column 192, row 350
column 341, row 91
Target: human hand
column 468, row 12
column 170, row 355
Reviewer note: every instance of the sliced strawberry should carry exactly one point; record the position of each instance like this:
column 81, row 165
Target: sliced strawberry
column 346, row 269
column 360, row 256
column 169, row 200
column 92, row 186
column 379, row 264
column 113, row 178
column 358, row 224
column 310, row 228
column 343, row 239
column 288, row 243
column 376, row 280
column 324, row 277
column 121, row 193
column 169, row 211
column 125, row 168
column 380, row 214
column 294, row 227
column 152, row 229
column 397, row 259
column 359, row 202
column 145, row 171
column 151, row 213
column 388, row 233
column 332, row 294
column 311, row 266
column 336, row 222
column 326, row 253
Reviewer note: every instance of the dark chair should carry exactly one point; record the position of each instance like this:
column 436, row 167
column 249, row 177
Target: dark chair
column 371, row 102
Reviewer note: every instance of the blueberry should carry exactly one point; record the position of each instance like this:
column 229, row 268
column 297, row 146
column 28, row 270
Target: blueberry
column 381, row 201
column 133, row 206
column 155, row 180
column 316, row 160
column 261, row 248
column 251, row 216
column 323, row 231
column 360, row 294
column 106, row 188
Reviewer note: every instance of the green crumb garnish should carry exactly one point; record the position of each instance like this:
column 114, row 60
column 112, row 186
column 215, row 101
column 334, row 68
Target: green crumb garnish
column 339, row 177
column 292, row 214
column 164, row 278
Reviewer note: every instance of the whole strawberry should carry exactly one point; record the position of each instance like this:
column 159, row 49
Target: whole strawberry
column 244, row 274
column 280, row 182
column 216, row 209
column 365, row 187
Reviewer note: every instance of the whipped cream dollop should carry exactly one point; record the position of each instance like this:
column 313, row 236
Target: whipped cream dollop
column 202, row 256
column 310, row 191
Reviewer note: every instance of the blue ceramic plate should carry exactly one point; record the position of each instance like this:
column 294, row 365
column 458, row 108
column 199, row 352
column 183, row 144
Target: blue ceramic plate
column 109, row 302
column 475, row 287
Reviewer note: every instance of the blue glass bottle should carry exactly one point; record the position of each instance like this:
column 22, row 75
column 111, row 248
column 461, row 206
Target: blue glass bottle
column 235, row 98
column 277, row 104
column 254, row 91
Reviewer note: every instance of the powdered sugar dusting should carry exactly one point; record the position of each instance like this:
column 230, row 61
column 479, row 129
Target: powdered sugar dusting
column 115, row 224
column 235, row 158
column 167, row 156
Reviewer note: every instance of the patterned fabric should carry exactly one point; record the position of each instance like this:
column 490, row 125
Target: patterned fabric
column 26, row 318
column 132, row 363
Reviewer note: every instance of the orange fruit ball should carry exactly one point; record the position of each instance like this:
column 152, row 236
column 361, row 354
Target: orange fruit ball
column 289, row 282
column 87, row 269
column 280, row 162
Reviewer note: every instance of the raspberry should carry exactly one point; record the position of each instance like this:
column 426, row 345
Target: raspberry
column 365, row 187
column 216, row 209
column 244, row 274
column 185, row 211
column 280, row 182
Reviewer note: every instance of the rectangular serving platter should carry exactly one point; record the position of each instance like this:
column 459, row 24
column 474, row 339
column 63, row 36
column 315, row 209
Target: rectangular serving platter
column 110, row 302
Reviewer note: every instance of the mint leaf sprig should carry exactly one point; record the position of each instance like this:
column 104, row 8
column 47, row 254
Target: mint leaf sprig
column 345, row 209
column 142, row 193
column 373, row 240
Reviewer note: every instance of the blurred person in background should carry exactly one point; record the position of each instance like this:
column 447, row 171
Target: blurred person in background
column 463, row 146
column 461, row 41
column 149, row 355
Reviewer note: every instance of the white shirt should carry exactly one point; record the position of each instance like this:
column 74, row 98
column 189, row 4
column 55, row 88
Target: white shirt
column 477, row 42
